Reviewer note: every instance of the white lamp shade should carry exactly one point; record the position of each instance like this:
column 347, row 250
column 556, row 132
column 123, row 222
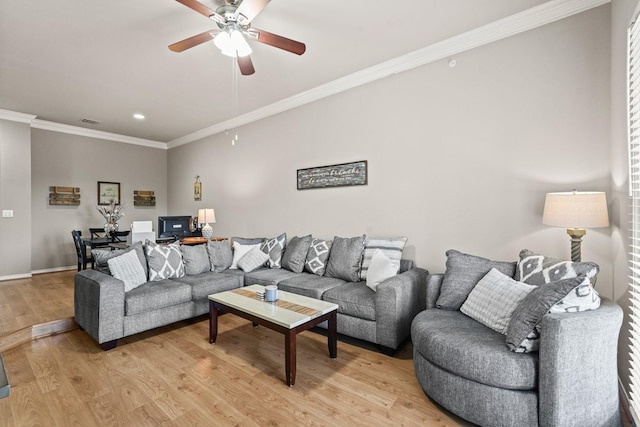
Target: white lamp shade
column 576, row 209
column 205, row 216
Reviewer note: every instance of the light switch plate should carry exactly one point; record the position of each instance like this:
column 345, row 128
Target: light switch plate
column 7, row 213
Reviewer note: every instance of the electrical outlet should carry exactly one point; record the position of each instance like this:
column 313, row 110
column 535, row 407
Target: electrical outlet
column 7, row 213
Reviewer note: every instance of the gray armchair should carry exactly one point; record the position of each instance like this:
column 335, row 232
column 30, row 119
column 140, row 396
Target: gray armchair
column 467, row 368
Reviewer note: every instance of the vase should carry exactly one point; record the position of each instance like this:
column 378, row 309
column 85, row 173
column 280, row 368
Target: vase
column 110, row 227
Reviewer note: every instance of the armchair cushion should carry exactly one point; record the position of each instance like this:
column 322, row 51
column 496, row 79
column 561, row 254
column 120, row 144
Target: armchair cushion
column 462, row 274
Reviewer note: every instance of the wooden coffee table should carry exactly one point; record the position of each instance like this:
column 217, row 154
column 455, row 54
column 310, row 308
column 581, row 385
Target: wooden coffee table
column 289, row 315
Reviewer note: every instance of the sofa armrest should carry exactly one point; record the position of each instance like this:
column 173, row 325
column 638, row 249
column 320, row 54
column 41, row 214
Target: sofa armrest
column 398, row 300
column 433, row 285
column 98, row 302
column 578, row 379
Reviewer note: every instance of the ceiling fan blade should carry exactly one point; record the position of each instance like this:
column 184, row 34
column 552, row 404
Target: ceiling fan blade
column 202, row 9
column 249, row 9
column 245, row 65
column 192, row 41
column 277, row 41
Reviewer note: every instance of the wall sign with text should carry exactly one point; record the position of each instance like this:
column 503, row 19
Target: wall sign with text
column 344, row 174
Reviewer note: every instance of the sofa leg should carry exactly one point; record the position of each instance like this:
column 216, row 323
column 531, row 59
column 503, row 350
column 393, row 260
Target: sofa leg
column 387, row 351
column 109, row 345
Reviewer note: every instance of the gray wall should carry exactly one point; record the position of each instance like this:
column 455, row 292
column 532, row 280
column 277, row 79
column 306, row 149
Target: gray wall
column 458, row 157
column 15, row 187
column 59, row 159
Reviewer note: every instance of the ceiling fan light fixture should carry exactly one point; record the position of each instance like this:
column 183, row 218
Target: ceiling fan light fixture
column 240, row 44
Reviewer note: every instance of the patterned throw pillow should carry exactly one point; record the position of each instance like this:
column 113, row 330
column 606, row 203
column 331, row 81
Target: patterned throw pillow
column 165, row 261
column 274, row 248
column 522, row 336
column 317, row 256
column 102, row 256
column 391, row 247
column 196, row 259
column 253, row 259
column 126, row 267
column 494, row 299
column 220, row 256
column 537, row 269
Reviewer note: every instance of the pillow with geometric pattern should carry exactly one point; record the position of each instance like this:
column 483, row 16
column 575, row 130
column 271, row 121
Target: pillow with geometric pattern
column 536, row 269
column 317, row 256
column 165, row 261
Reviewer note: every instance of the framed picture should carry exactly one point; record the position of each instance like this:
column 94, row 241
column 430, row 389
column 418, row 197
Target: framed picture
column 108, row 192
column 344, row 174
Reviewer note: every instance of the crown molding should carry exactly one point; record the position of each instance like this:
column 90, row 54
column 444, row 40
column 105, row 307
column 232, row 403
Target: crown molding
column 546, row 13
column 91, row 133
column 14, row 116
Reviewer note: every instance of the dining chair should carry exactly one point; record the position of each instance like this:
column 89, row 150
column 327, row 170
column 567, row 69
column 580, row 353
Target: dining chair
column 117, row 236
column 81, row 250
column 97, row 233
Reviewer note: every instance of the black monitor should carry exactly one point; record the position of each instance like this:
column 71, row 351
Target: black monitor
column 174, row 226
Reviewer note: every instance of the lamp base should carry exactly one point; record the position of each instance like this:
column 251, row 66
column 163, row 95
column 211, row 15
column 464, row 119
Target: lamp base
column 576, row 242
column 207, row 231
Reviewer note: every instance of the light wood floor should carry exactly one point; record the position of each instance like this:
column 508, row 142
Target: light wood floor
column 172, row 376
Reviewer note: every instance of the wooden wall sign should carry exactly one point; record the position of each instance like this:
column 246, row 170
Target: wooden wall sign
column 144, row 198
column 64, row 196
column 354, row 173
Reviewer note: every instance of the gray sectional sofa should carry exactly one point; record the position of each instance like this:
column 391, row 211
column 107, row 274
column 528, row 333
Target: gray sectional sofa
column 473, row 370
column 380, row 313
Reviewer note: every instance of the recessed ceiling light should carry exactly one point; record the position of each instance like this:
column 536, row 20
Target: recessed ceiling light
column 138, row 116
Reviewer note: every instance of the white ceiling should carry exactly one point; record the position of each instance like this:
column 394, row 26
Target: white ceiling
column 66, row 60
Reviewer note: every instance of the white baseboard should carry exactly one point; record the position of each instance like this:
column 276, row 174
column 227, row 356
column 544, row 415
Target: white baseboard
column 15, row 277
column 624, row 402
column 54, row 270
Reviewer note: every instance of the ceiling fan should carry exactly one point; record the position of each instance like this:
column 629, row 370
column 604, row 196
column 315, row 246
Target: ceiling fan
column 234, row 23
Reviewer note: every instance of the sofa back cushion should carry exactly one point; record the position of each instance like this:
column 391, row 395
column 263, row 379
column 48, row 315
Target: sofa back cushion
column 463, row 272
column 196, row 259
column 345, row 258
column 296, row 253
column 220, row 256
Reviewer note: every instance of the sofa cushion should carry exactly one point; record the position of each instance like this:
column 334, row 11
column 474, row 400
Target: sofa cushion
column 127, row 268
column 309, row 284
column 165, row 261
column 267, row 276
column 538, row 269
column 296, row 253
column 380, row 269
column 530, row 311
column 493, row 300
column 274, row 247
column 391, row 247
column 205, row 284
column 220, row 256
column 317, row 256
column 464, row 347
column 101, row 257
column 196, row 259
column 156, row 295
column 253, row 259
column 247, row 240
column 462, row 274
column 353, row 299
column 345, row 258
column 240, row 250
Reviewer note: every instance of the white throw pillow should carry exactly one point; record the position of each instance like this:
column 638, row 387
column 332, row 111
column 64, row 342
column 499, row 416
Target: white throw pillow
column 493, row 300
column 127, row 267
column 380, row 269
column 239, row 251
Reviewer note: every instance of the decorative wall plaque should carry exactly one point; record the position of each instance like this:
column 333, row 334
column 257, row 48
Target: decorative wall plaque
column 344, row 174
column 64, row 196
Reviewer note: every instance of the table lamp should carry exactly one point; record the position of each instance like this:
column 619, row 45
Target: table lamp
column 576, row 211
column 205, row 216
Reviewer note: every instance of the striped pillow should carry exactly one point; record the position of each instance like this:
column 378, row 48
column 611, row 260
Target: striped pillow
column 391, row 247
